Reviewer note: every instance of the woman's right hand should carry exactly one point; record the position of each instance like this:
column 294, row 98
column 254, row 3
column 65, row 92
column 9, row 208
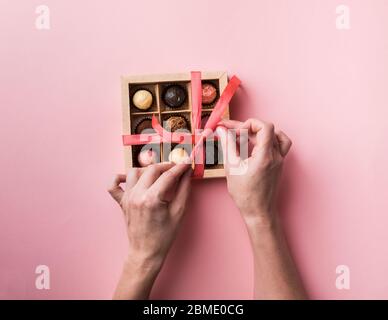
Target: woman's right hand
column 253, row 182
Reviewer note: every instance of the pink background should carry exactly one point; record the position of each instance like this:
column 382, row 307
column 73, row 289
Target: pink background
column 60, row 128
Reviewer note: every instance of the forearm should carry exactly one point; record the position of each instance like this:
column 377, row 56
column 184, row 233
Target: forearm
column 136, row 280
column 275, row 274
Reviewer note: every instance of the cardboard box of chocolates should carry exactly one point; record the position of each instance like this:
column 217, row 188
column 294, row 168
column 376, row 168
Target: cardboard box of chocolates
column 168, row 98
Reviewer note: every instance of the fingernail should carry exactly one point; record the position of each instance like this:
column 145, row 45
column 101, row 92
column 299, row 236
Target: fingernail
column 219, row 130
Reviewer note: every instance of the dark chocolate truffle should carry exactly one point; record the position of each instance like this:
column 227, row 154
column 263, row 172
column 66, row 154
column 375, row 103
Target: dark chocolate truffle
column 143, row 125
column 174, row 96
column 209, row 93
column 175, row 123
column 211, row 155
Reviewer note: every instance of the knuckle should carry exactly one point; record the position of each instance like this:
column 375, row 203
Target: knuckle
column 114, row 184
column 132, row 171
column 169, row 175
column 149, row 201
column 134, row 201
column 144, row 201
column 153, row 169
column 124, row 203
column 267, row 163
column 249, row 123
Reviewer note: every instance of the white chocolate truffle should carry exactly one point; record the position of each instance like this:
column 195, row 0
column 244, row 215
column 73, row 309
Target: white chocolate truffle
column 178, row 155
column 142, row 99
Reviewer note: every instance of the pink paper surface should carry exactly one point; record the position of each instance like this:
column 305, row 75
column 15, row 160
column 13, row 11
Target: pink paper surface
column 60, row 134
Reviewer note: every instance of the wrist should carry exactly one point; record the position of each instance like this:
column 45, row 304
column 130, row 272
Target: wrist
column 142, row 267
column 136, row 279
column 262, row 227
column 260, row 220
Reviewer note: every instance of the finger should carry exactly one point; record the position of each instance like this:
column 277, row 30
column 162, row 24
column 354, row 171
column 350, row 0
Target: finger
column 115, row 190
column 178, row 204
column 236, row 125
column 264, row 132
column 228, row 144
column 254, row 126
column 133, row 176
column 260, row 134
column 168, row 180
column 152, row 173
column 284, row 142
column 230, row 124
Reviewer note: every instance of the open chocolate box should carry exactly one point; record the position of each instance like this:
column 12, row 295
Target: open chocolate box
column 168, row 97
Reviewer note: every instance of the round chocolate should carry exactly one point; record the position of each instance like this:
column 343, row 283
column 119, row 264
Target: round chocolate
column 211, row 155
column 174, row 96
column 178, row 155
column 145, row 124
column 175, row 123
column 209, row 93
column 142, row 99
column 147, row 157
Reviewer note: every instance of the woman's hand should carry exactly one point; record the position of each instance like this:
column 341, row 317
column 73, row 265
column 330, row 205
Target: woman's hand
column 153, row 203
column 253, row 181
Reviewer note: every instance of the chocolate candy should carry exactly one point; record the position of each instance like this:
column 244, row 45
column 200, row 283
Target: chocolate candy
column 174, row 96
column 175, row 123
column 178, row 155
column 209, row 93
column 147, row 157
column 145, row 124
column 142, row 99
